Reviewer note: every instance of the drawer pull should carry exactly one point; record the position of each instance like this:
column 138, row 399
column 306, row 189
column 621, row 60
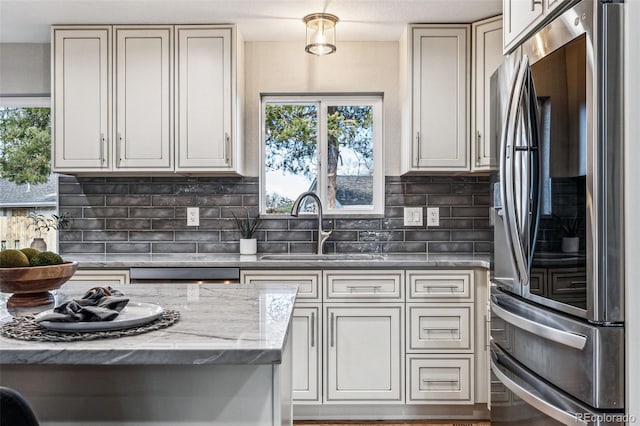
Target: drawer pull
column 357, row 287
column 452, row 329
column 439, row 287
column 578, row 284
column 440, row 381
column 499, row 330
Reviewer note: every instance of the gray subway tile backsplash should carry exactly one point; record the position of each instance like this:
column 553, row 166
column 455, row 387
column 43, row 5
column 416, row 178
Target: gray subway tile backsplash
column 148, row 215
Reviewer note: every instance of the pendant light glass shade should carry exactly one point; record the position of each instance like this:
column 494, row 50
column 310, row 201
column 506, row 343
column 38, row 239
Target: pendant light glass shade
column 321, row 33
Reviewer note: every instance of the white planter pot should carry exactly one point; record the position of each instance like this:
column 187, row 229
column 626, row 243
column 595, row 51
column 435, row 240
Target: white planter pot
column 570, row 244
column 248, row 246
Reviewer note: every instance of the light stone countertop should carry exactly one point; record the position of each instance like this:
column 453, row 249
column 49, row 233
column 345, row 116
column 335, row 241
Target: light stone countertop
column 219, row 324
column 395, row 260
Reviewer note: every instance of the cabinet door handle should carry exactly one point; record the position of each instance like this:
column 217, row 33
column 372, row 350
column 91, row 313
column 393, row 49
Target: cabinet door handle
column 332, row 326
column 102, row 156
column 419, row 153
column 478, row 138
column 313, row 329
column 120, row 148
column 487, row 328
column 534, row 3
column 227, row 147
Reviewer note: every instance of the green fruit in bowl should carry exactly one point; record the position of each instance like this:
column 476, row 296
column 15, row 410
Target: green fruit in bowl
column 30, row 252
column 13, row 259
column 46, row 258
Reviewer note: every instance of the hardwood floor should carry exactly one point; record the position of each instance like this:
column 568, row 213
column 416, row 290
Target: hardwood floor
column 390, row 423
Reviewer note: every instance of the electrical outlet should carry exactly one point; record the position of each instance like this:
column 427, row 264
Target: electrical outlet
column 193, row 216
column 413, row 216
column 433, row 216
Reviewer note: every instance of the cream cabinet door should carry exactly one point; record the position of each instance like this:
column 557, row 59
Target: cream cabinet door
column 440, row 85
column 204, row 108
column 306, row 353
column 81, row 99
column 363, row 361
column 519, row 17
column 144, row 87
column 486, row 58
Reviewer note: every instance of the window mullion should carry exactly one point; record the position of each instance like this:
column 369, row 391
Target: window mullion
column 322, row 152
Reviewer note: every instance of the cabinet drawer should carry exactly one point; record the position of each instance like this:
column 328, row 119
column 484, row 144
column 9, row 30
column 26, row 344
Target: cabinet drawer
column 437, row 380
column 567, row 283
column 307, row 281
column 101, row 277
column 363, row 285
column 439, row 327
column 457, row 285
column 499, row 392
column 537, row 281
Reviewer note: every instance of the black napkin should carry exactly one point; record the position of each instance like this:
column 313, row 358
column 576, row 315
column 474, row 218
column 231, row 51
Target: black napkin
column 98, row 304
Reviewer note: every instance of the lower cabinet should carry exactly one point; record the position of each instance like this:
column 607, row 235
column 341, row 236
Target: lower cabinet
column 101, row 277
column 363, row 352
column 307, row 340
column 386, row 337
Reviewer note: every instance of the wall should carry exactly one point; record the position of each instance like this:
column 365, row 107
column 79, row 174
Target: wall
column 632, row 204
column 276, row 67
column 148, row 215
column 25, row 69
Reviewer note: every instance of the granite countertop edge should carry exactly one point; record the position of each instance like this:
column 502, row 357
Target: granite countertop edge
column 188, row 260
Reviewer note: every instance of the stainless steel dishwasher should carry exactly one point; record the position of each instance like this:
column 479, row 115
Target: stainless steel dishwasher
column 196, row 275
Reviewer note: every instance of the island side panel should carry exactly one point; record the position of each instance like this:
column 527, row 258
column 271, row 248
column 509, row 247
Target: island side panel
column 193, row 395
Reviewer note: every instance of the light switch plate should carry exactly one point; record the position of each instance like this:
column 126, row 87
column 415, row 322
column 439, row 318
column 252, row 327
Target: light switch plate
column 193, row 216
column 433, row 216
column 413, row 216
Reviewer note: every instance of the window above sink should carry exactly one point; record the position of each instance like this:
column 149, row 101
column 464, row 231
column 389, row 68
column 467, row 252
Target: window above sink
column 330, row 145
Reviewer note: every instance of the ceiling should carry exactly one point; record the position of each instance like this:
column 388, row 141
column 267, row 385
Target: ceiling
column 28, row 21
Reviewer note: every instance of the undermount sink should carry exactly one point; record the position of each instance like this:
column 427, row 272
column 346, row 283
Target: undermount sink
column 333, row 257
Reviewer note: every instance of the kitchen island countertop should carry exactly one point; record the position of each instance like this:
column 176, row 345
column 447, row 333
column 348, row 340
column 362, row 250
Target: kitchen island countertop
column 219, row 324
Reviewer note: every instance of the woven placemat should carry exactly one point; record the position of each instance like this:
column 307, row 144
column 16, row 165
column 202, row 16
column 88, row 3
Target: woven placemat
column 26, row 328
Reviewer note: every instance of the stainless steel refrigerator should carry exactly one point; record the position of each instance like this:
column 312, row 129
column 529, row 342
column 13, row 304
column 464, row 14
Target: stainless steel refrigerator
column 557, row 297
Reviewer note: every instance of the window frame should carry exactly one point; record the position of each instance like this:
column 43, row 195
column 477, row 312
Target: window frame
column 323, row 101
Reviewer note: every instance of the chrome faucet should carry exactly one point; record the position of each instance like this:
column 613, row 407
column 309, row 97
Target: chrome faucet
column 322, row 234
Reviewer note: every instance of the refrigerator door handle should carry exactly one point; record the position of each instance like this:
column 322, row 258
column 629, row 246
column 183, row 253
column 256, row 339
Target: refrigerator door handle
column 536, row 402
column 507, row 177
column 573, row 340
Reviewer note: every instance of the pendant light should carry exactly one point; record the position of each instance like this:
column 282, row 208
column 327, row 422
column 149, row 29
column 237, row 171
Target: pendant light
column 321, row 33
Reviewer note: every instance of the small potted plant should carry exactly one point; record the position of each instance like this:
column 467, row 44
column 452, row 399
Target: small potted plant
column 570, row 230
column 247, row 226
column 43, row 225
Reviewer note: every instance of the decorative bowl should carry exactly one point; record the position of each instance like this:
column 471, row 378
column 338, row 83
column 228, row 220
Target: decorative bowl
column 30, row 285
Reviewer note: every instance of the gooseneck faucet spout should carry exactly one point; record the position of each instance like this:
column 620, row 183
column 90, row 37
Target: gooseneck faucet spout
column 322, row 234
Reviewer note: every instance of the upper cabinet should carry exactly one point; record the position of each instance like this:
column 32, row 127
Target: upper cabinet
column 206, row 92
column 521, row 17
column 123, row 94
column 144, row 87
column 435, row 91
column 82, row 99
column 486, row 57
